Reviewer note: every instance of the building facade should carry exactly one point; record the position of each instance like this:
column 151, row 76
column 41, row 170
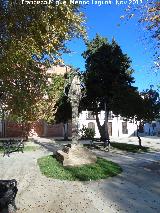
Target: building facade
column 117, row 125
column 152, row 128
column 39, row 128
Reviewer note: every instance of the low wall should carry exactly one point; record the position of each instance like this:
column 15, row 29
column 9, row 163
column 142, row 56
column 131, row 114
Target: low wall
column 39, row 128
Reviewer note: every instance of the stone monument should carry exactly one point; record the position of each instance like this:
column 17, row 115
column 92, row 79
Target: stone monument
column 75, row 154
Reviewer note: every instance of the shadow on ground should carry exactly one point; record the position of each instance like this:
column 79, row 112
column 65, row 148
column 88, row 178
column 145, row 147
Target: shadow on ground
column 51, row 146
column 137, row 188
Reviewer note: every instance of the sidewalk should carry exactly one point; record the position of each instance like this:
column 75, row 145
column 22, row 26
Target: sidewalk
column 149, row 141
column 136, row 189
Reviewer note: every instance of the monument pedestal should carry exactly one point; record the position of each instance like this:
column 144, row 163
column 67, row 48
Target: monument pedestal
column 75, row 155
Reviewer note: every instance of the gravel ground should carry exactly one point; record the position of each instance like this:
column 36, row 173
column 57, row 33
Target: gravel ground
column 136, row 189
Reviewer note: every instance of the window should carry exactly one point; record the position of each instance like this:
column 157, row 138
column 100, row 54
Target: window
column 110, row 115
column 91, row 125
column 90, row 115
column 110, row 128
column 124, row 128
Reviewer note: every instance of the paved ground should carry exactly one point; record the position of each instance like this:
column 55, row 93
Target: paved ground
column 150, row 141
column 137, row 189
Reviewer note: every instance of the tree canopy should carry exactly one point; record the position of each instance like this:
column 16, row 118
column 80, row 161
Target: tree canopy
column 28, row 30
column 149, row 17
column 107, row 70
column 152, row 103
column 27, row 33
column 108, row 85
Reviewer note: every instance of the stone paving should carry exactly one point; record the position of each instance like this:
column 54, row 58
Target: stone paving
column 150, row 141
column 136, row 189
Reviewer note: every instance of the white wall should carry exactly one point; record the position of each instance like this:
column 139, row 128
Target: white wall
column 158, row 127
column 116, row 125
column 83, row 121
column 149, row 130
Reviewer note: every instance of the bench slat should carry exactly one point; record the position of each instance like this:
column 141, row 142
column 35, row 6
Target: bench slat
column 12, row 146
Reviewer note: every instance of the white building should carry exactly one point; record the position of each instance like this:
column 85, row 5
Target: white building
column 117, row 125
column 152, row 128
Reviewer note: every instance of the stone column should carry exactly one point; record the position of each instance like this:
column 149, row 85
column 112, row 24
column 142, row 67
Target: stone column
column 75, row 154
column 74, row 96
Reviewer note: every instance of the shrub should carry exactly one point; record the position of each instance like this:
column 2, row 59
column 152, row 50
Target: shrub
column 87, row 133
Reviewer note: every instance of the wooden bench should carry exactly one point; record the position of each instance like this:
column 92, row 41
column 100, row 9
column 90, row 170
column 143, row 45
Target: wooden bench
column 12, row 145
column 98, row 143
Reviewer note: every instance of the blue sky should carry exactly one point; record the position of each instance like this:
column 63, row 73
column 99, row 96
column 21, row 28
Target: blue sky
column 104, row 20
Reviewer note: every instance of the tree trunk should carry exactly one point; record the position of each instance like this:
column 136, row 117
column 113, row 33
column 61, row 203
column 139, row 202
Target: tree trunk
column 139, row 139
column 103, row 129
column 3, row 124
column 106, row 123
column 65, row 126
column 100, row 128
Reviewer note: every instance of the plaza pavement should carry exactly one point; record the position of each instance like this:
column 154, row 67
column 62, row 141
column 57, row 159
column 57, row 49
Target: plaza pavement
column 150, row 141
column 135, row 190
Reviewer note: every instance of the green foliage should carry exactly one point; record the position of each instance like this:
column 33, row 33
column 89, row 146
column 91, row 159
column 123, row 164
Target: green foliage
column 129, row 104
column 28, row 32
column 26, row 149
column 29, row 104
column 107, row 71
column 102, row 169
column 22, row 90
column 64, row 110
column 129, row 147
column 87, row 133
column 37, row 29
column 152, row 103
column 107, row 80
column 147, row 13
column 31, row 148
column 48, row 104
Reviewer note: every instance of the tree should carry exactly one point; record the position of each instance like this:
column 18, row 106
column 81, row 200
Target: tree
column 63, row 113
column 35, row 29
column 148, row 15
column 132, row 107
column 108, row 74
column 138, row 107
column 152, row 102
column 31, row 103
column 108, row 84
column 27, row 33
column 48, row 105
